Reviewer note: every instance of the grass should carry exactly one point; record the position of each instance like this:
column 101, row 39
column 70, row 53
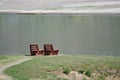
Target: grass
column 4, row 59
column 41, row 66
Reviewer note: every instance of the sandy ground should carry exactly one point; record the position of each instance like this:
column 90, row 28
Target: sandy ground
column 60, row 6
column 2, row 68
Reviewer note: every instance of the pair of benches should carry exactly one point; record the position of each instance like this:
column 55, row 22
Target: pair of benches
column 48, row 50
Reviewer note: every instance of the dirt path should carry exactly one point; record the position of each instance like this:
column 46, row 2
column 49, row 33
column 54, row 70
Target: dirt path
column 2, row 68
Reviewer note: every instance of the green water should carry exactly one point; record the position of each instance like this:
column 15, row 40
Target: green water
column 74, row 34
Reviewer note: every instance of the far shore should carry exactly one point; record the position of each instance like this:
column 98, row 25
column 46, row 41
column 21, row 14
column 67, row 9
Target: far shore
column 60, row 6
column 59, row 12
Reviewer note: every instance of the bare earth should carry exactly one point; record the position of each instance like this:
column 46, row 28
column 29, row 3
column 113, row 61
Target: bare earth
column 73, row 75
column 2, row 68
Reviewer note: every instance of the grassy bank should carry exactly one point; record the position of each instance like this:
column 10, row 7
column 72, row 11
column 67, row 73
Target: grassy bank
column 41, row 67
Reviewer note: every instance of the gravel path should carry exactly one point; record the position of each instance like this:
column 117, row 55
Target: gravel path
column 2, row 68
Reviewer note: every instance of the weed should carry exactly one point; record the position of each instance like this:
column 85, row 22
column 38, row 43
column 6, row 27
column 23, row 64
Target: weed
column 81, row 71
column 88, row 73
column 101, row 77
column 83, row 79
column 66, row 70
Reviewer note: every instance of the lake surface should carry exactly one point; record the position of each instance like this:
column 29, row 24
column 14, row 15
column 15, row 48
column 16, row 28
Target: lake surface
column 71, row 34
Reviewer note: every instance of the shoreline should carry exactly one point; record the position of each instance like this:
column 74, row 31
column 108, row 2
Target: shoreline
column 59, row 12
